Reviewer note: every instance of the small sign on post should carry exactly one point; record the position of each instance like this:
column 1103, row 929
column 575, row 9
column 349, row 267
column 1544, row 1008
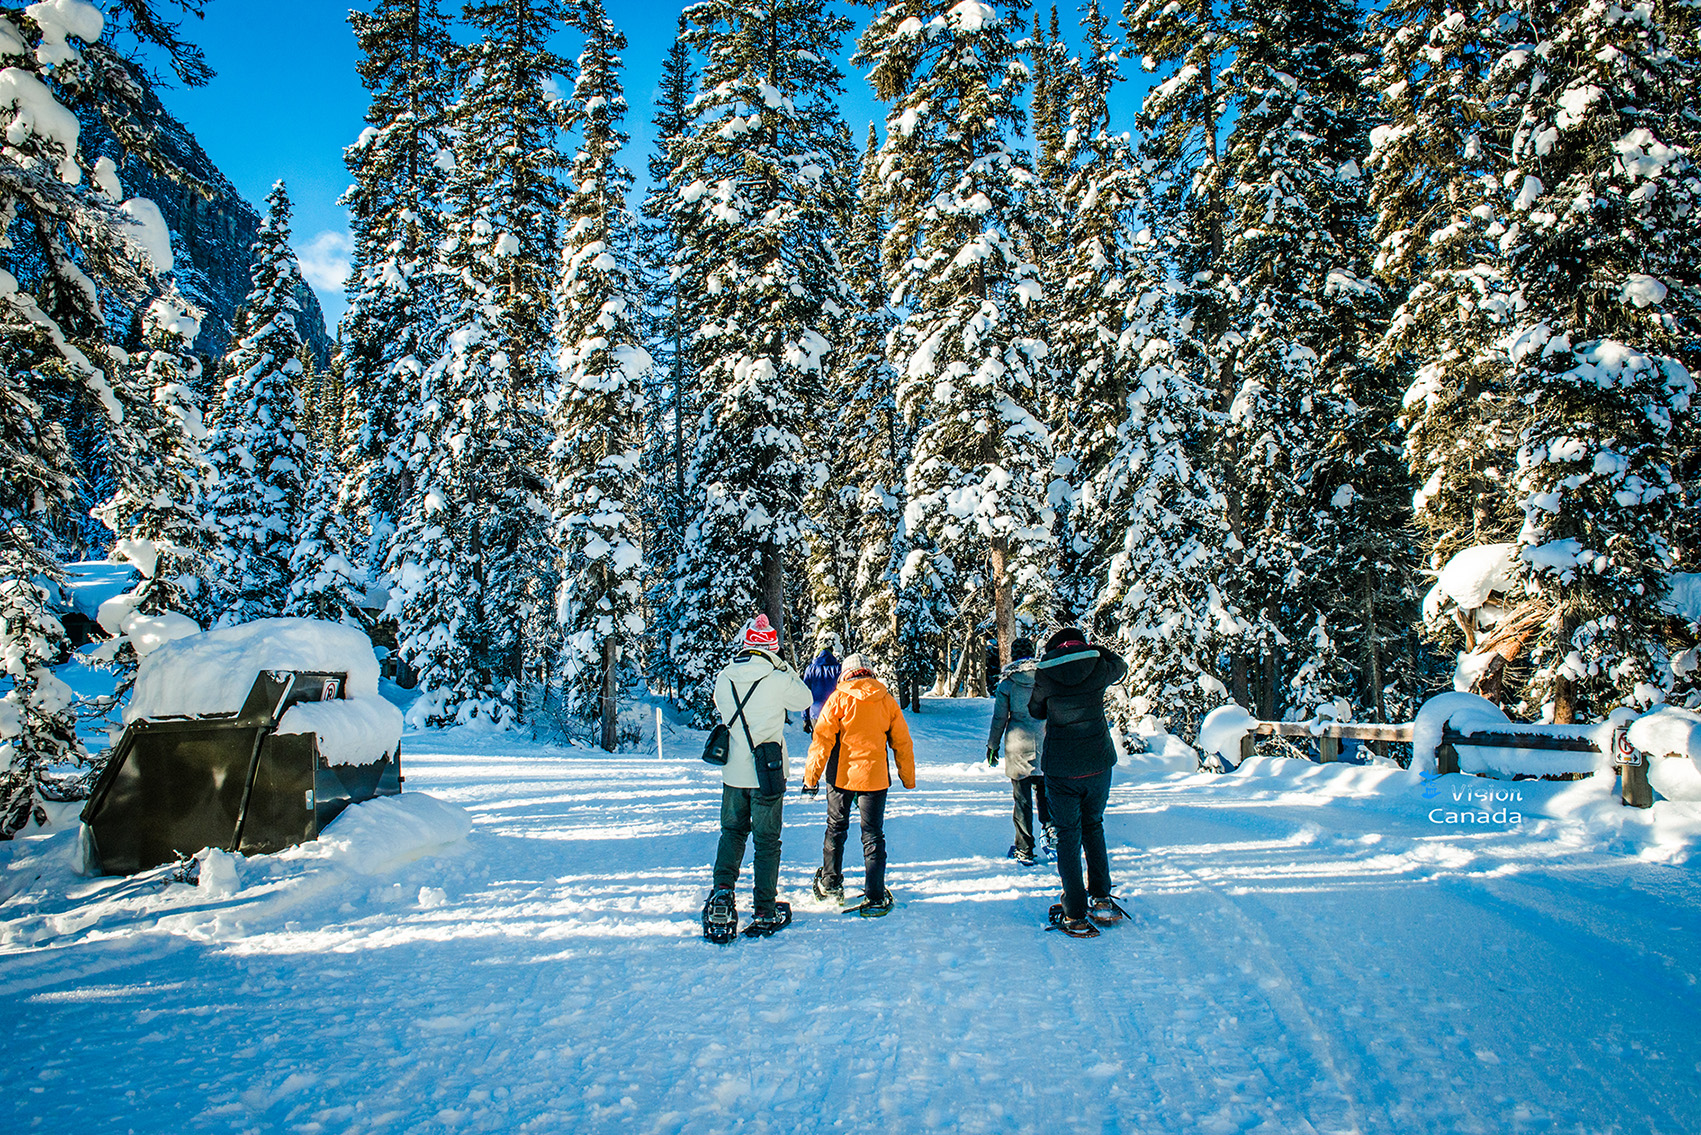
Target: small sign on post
column 1634, row 788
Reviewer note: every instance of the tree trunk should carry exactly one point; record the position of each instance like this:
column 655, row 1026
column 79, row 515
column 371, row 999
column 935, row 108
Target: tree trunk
column 960, row 675
column 610, row 693
column 1372, row 650
column 1003, row 598
column 773, row 570
column 1564, row 690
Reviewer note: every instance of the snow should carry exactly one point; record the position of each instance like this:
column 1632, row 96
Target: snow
column 515, row 949
column 213, row 672
column 58, row 21
column 356, row 731
column 971, row 16
column 1684, row 598
column 1642, row 291
column 1465, row 712
column 147, row 232
column 1222, row 730
column 36, row 113
column 1474, row 574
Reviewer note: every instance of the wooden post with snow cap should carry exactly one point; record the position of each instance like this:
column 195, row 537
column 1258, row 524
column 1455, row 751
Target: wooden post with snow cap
column 1634, row 788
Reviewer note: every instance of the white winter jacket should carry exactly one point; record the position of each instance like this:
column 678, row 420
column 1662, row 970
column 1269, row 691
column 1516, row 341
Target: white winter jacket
column 764, row 712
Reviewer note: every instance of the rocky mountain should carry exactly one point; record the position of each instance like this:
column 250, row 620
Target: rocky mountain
column 211, row 236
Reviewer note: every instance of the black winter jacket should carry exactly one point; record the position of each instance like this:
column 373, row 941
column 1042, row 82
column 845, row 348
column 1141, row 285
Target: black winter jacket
column 1069, row 686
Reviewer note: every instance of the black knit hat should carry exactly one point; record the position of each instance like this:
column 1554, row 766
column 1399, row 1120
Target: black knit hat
column 1021, row 648
column 1067, row 636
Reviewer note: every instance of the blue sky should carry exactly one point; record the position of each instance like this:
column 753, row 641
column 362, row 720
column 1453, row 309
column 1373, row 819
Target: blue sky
column 286, row 100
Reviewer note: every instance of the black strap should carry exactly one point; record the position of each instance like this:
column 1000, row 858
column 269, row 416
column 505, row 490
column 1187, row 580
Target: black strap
column 738, row 711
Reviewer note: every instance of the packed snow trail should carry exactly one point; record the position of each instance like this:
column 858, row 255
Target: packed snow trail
column 1308, row 953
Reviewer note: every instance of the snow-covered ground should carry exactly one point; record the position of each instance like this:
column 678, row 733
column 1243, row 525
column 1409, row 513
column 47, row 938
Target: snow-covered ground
column 1313, row 949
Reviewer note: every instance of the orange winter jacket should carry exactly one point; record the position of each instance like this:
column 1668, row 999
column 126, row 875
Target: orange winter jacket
column 858, row 722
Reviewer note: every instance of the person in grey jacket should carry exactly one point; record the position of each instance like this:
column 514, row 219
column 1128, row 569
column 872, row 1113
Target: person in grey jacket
column 1022, row 735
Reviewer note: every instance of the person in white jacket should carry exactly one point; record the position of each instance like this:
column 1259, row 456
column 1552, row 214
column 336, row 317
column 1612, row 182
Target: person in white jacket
column 760, row 682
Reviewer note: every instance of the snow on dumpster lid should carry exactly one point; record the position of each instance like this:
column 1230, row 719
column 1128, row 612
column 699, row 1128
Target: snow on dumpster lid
column 213, row 672
column 356, row 732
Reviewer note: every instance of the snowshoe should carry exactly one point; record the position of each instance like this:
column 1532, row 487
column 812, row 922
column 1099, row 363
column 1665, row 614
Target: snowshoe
column 1106, row 911
column 874, row 908
column 766, row 925
column 720, row 916
column 825, row 892
column 1022, row 858
column 1048, row 839
column 1074, row 927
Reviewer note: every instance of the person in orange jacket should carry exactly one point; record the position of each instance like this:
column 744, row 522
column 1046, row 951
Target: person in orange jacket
column 861, row 718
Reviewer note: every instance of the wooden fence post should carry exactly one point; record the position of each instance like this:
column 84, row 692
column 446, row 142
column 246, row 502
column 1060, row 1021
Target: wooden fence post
column 1446, row 756
column 1328, row 749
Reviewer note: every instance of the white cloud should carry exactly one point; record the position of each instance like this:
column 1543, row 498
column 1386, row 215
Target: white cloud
column 325, row 260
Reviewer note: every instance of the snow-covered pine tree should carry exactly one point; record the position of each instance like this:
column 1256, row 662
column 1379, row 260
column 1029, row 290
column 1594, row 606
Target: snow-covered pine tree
column 471, row 554
column 171, row 446
column 969, row 348
column 1183, row 119
column 1109, row 307
column 391, row 331
column 37, row 726
column 855, row 513
column 597, row 414
column 1602, row 194
column 763, row 180
column 70, row 244
column 1441, row 218
column 669, row 404
column 1312, row 418
column 256, row 452
column 325, row 581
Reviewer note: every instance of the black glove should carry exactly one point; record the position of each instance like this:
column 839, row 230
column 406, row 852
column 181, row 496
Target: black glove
column 992, row 755
column 812, row 790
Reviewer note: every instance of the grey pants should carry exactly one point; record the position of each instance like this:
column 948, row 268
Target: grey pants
column 743, row 810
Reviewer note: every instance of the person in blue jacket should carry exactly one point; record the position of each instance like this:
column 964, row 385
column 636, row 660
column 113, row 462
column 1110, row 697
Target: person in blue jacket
column 822, row 678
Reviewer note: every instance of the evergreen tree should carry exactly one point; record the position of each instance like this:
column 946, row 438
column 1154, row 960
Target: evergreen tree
column 76, row 255
column 171, row 446
column 1312, row 418
column 1183, row 119
column 596, row 417
column 857, row 512
column 1601, row 239
column 470, row 555
column 1109, row 313
column 670, row 404
column 392, row 329
column 762, row 182
column 256, row 452
column 37, row 727
column 968, row 349
column 1438, row 165
column 325, row 582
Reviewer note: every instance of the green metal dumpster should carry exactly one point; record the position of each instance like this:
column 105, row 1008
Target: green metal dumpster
column 229, row 780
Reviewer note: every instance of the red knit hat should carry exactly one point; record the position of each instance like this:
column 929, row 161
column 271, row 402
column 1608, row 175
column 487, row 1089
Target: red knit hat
column 760, row 636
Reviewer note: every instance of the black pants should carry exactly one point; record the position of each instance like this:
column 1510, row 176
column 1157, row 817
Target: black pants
column 743, row 810
column 871, row 810
column 1077, row 811
column 1026, row 789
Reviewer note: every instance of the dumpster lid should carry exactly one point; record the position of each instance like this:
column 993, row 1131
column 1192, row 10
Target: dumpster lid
column 213, row 673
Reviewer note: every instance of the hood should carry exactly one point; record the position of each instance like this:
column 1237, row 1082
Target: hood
column 750, row 667
column 862, row 688
column 1071, row 667
column 1021, row 672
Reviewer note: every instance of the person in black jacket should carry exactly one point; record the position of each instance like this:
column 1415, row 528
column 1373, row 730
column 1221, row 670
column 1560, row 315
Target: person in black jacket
column 1077, row 756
